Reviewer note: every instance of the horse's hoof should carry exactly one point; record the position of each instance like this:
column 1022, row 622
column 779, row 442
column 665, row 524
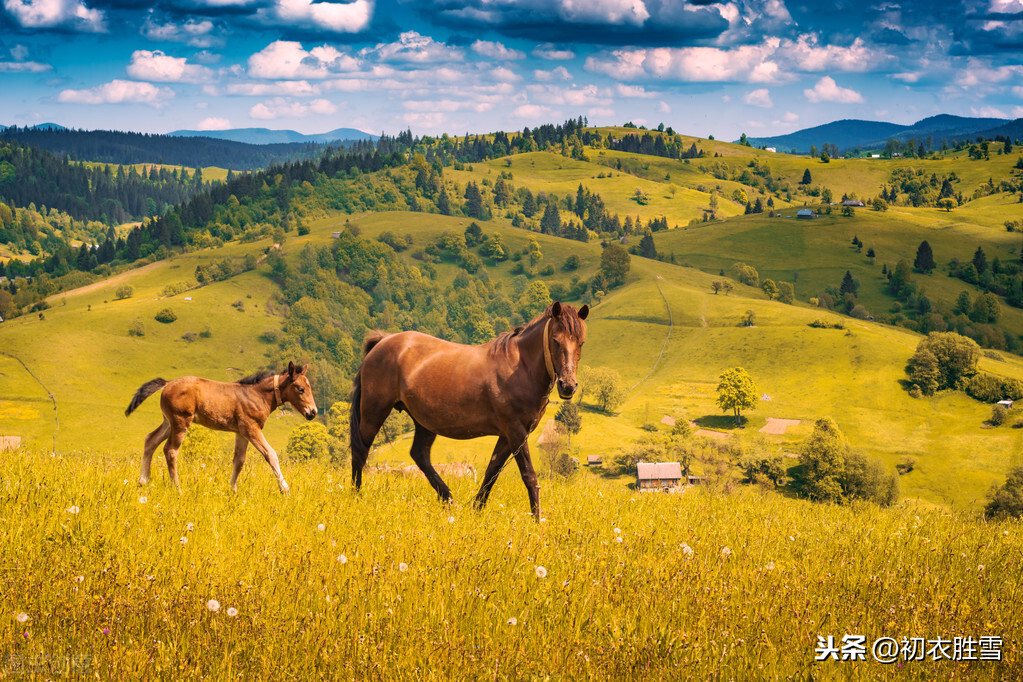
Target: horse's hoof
column 143, row 481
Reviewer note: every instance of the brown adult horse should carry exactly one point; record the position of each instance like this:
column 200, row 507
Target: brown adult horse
column 497, row 389
column 241, row 407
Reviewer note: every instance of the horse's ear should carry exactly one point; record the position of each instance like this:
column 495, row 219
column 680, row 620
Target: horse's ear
column 304, row 368
column 583, row 312
column 556, row 309
column 291, row 368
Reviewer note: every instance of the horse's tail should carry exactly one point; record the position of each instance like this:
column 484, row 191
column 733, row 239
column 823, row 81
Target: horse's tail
column 145, row 390
column 360, row 452
column 371, row 341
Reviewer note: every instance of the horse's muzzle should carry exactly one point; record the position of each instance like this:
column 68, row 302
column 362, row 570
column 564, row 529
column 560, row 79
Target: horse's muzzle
column 566, row 391
column 310, row 414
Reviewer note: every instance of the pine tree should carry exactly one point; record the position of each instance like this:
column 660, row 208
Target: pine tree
column 980, row 260
column 807, row 179
column 924, row 261
column 848, row 284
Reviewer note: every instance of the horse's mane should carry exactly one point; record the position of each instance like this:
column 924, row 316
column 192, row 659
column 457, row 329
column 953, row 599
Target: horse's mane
column 253, row 379
column 501, row 341
column 572, row 322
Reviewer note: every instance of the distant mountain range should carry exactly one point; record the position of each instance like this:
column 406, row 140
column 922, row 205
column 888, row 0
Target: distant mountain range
column 852, row 133
column 267, row 136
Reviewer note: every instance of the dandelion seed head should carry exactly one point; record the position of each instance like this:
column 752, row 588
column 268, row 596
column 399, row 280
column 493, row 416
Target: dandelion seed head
column 184, row 540
column 21, row 617
column 618, row 539
column 72, row 509
column 541, row 572
column 342, row 559
column 981, row 567
column 451, row 519
column 79, row 578
column 725, row 551
column 190, row 527
column 513, row 621
column 143, row 499
column 232, row 612
column 686, row 549
column 213, row 605
column 618, row 531
column 403, row 567
column 770, row 566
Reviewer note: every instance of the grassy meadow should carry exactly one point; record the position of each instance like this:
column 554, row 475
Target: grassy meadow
column 390, row 583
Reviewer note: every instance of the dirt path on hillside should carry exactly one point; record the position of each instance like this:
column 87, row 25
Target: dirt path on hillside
column 671, row 324
column 116, row 279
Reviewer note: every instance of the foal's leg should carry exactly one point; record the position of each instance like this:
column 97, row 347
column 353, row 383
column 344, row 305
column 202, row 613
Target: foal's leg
column 257, row 439
column 240, row 446
column 501, row 454
column 421, row 443
column 153, row 440
column 178, row 428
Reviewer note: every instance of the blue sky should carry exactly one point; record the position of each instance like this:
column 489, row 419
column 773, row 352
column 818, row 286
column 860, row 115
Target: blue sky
column 757, row 66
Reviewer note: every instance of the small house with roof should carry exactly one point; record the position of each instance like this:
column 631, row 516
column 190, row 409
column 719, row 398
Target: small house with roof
column 652, row 477
column 806, row 213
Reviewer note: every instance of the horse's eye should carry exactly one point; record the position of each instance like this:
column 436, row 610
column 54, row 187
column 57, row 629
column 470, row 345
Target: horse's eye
column 301, row 390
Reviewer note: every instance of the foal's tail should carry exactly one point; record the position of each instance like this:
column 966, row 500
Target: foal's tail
column 360, row 449
column 147, row 389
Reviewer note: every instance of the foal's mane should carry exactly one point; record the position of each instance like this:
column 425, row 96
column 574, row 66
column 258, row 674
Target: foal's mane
column 254, row 379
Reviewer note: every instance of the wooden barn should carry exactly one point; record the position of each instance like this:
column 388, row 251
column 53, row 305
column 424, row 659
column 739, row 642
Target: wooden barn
column 652, row 477
column 594, row 460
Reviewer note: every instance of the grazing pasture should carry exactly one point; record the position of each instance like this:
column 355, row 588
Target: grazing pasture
column 390, row 583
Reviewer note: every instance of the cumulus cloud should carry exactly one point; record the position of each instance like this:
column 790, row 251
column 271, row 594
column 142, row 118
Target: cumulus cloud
column 807, row 54
column 628, row 12
column 192, row 32
column 157, row 66
column 552, row 53
column 68, row 14
column 532, row 111
column 23, row 67
column 299, row 88
column 559, row 73
column 339, row 17
column 494, row 50
column 289, row 60
column 213, row 123
column 415, row 48
column 636, row 91
column 118, row 92
column 750, row 63
column 760, row 97
column 826, row 90
column 283, row 107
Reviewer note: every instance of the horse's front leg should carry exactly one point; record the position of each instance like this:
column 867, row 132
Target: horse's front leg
column 255, row 436
column 525, row 463
column 501, row 454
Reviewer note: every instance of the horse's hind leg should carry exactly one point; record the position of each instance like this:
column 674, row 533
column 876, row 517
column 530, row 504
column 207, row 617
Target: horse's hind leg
column 421, row 444
column 153, row 440
column 501, row 454
column 178, row 428
column 371, row 418
column 240, row 446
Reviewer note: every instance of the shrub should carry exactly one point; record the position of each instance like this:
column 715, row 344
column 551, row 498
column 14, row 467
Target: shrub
column 605, row 386
column 137, row 328
column 953, row 361
column 124, row 291
column 206, row 332
column 1006, row 501
column 269, row 336
column 190, row 337
column 865, row 478
column 906, row 465
column 166, row 316
column 200, row 443
column 998, row 415
column 338, row 430
column 308, row 441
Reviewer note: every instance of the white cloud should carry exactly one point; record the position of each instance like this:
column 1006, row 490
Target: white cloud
column 486, row 48
column 118, row 92
column 23, row 67
column 1006, row 6
column 416, row 48
column 807, row 54
column 636, row 91
column 790, row 117
column 351, row 17
column 504, row 75
column 982, row 73
column 550, row 52
column 601, row 113
column 70, row 14
column 616, row 12
column 988, row 112
column 289, row 61
column 213, row 123
column 294, row 88
column 664, row 108
column 826, row 90
column 558, row 73
column 589, row 95
column 748, row 63
column 157, row 66
column 192, row 32
column 533, row 111
column 760, row 97
column 282, row 107
column 907, row 77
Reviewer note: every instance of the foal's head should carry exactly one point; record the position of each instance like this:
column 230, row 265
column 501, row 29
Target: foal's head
column 295, row 389
column 567, row 336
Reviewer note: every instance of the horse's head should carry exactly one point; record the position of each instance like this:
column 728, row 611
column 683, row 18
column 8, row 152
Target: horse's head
column 567, row 336
column 296, row 390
